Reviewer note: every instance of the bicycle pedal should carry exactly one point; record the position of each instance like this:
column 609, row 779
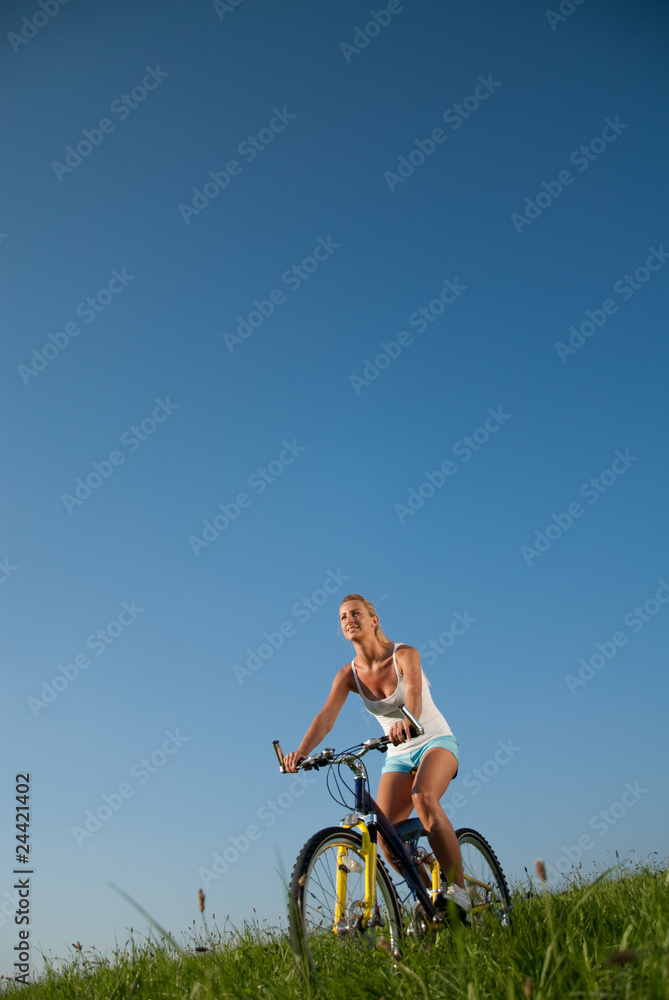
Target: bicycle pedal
column 442, row 906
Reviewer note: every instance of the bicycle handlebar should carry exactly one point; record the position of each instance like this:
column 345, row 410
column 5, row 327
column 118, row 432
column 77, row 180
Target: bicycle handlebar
column 327, row 755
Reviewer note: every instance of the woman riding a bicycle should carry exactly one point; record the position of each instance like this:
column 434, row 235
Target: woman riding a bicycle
column 417, row 771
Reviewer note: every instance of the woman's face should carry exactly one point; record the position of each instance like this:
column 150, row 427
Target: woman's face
column 356, row 620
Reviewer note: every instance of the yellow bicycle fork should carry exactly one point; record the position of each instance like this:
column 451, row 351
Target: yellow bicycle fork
column 369, row 852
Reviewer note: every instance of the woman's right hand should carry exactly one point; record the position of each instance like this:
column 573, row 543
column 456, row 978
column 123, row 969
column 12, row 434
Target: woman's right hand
column 291, row 760
column 400, row 732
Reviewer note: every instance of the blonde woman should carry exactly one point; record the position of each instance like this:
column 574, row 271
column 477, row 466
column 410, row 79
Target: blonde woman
column 417, row 771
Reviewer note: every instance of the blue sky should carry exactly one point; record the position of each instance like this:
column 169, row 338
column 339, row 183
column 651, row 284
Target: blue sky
column 241, row 400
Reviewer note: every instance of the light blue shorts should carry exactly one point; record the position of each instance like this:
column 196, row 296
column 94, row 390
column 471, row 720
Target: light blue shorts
column 410, row 761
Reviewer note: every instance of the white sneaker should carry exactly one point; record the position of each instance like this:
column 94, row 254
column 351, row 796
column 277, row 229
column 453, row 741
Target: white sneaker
column 461, row 897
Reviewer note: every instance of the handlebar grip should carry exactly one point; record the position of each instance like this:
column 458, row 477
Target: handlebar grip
column 279, row 752
column 417, row 729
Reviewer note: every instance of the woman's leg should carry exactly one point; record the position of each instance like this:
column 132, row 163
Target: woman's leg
column 394, row 799
column 437, row 769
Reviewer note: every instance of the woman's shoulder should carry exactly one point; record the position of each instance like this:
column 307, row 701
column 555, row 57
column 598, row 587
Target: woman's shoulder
column 403, row 649
column 407, row 656
column 344, row 676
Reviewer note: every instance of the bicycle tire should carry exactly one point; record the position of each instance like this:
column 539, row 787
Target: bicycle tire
column 480, row 863
column 315, row 940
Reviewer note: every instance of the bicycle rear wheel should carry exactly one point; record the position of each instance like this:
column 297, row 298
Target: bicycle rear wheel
column 327, row 902
column 484, row 878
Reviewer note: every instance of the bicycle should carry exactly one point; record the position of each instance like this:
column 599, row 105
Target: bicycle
column 342, row 891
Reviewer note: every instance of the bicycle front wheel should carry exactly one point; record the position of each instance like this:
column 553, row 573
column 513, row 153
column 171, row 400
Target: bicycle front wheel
column 328, row 901
column 484, row 878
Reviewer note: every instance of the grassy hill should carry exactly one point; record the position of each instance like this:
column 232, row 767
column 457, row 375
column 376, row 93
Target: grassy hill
column 606, row 940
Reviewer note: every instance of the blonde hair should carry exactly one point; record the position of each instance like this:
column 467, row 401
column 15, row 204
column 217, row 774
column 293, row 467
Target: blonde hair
column 369, row 607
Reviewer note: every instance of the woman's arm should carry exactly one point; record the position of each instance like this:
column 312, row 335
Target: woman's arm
column 323, row 722
column 408, row 661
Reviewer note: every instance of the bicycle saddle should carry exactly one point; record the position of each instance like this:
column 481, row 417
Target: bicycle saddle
column 409, row 829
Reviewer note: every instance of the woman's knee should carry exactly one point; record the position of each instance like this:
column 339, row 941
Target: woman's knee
column 427, row 804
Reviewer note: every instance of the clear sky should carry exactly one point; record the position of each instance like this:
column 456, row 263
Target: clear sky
column 304, row 299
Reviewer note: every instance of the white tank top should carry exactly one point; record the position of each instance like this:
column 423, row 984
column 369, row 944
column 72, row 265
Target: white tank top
column 387, row 711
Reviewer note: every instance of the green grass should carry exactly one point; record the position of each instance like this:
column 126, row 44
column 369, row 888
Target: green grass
column 606, row 940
